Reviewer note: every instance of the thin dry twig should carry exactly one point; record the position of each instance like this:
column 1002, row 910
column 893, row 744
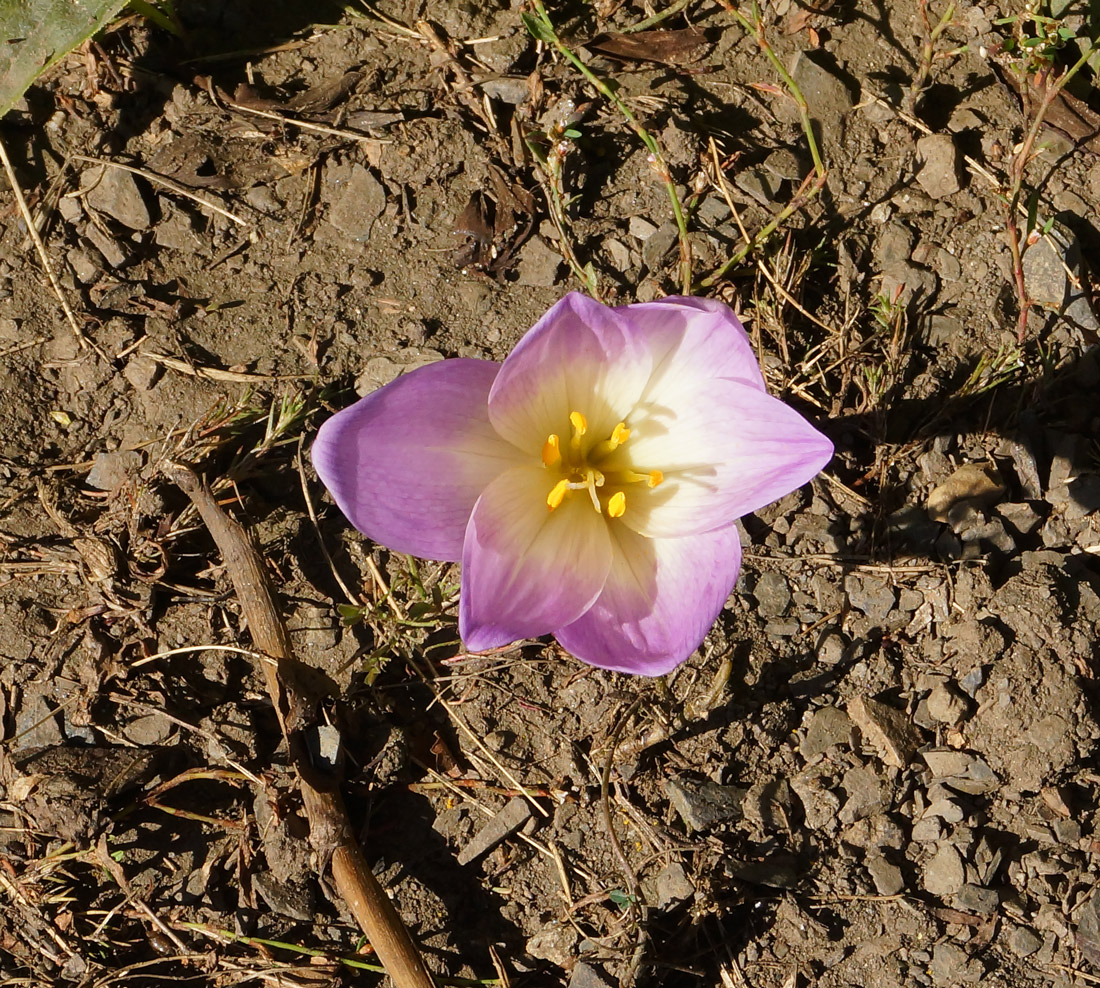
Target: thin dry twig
column 294, row 701
column 167, row 183
column 40, row 247
column 347, row 135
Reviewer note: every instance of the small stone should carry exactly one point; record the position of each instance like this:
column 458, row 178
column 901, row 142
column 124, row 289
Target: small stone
column 961, row 771
column 977, row 482
column 516, row 812
column 619, row 254
column 1024, row 942
column 951, row 965
column 827, row 727
column 939, row 171
column 379, row 371
column 927, row 830
column 641, row 228
column 673, row 886
column 112, row 253
column 555, row 943
column 141, row 372
column 586, row 976
column 116, row 193
column 657, row 246
column 1052, row 268
column 111, row 470
column 829, row 97
column 85, row 268
column 886, row 876
column 358, row 202
column 887, row 730
column 865, row 797
column 978, row 900
column 946, row 810
column 946, row 706
column 773, row 595
column 944, row 872
column 870, row 594
column 539, row 265
column 705, row 804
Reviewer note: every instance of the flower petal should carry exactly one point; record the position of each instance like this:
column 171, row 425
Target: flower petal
column 407, row 463
column 527, row 570
column 581, row 356
column 660, row 600
column 694, row 339
column 725, row 450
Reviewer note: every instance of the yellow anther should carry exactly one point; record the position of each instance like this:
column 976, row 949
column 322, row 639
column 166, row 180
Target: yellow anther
column 557, row 494
column 551, row 450
column 580, row 427
column 655, row 477
column 616, row 505
column 619, row 435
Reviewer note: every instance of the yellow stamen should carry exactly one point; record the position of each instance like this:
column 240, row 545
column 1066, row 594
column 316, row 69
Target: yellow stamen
column 655, row 477
column 551, row 450
column 557, row 494
column 580, row 427
column 619, row 435
column 616, row 505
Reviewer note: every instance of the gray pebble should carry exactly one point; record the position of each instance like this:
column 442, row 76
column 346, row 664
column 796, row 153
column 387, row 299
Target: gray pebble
column 944, row 872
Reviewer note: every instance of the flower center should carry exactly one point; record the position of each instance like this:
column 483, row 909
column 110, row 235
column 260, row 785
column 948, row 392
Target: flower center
column 577, row 466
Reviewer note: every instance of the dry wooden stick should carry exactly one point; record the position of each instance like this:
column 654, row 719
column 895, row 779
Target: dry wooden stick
column 32, row 231
column 295, row 700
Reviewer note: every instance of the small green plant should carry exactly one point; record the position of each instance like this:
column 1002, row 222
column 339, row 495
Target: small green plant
column 929, row 55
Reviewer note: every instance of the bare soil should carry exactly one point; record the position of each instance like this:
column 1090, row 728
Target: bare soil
column 881, row 767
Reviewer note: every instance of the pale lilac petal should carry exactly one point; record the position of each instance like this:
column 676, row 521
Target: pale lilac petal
column 407, row 463
column 693, row 339
column 580, row 357
column 727, row 451
column 660, row 599
column 527, row 570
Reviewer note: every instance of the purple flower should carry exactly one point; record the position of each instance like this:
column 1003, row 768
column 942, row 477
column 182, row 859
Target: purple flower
column 590, row 484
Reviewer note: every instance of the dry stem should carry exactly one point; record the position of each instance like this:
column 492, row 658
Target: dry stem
column 294, row 702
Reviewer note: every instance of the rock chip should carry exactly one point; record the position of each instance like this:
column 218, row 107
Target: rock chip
column 704, row 804
column 539, row 265
column 1024, row 942
column 939, row 171
column 978, row 482
column 827, row 727
column 116, row 193
column 887, row 877
column 945, row 705
column 870, row 594
column 111, row 470
column 673, row 886
column 358, row 202
column 961, row 770
column 516, row 812
column 865, row 796
column 773, row 595
column 555, row 943
column 829, row 96
column 887, row 730
column 586, row 976
column 944, row 872
column 951, row 965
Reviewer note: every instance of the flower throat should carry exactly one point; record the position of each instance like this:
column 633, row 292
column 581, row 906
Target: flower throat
column 578, row 467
